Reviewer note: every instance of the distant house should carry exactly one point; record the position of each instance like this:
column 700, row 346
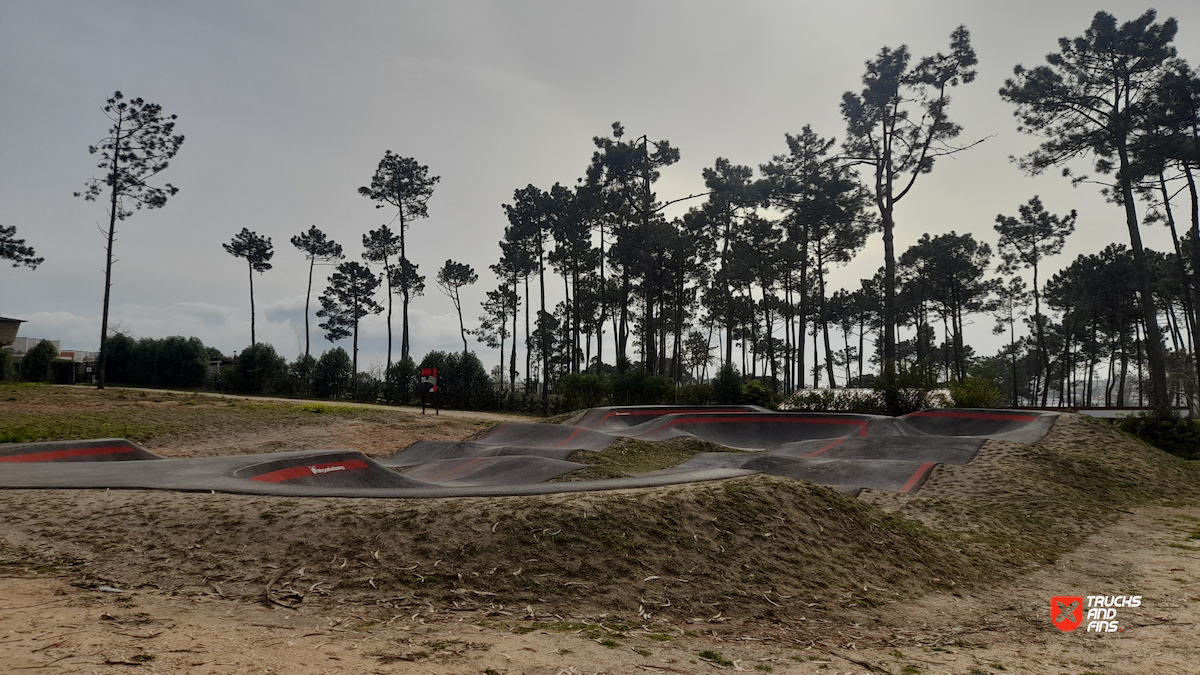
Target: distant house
column 8, row 330
column 22, row 345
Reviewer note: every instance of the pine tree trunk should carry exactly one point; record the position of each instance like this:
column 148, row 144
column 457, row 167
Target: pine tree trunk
column 101, row 361
column 307, row 299
column 250, row 265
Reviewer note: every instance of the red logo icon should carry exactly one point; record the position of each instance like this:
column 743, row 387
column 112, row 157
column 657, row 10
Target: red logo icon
column 1066, row 612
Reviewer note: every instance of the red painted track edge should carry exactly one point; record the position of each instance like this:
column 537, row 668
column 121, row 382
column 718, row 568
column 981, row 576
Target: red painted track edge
column 920, row 473
column 51, row 455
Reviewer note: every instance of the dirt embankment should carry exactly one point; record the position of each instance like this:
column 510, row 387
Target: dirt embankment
column 763, row 556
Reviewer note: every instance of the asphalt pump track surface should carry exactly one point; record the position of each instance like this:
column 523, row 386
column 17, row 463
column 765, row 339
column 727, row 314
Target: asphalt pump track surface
column 847, row 451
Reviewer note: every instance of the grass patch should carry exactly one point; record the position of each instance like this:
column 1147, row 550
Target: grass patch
column 715, row 657
column 22, row 428
column 629, row 457
column 46, row 413
column 325, row 408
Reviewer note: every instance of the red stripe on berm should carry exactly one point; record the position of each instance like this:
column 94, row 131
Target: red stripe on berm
column 309, row 470
column 51, row 455
column 817, row 452
column 920, row 473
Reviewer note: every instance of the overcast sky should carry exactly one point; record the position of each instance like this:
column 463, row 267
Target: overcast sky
column 288, row 107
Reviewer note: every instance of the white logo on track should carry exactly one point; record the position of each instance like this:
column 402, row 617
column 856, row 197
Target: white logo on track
column 339, row 467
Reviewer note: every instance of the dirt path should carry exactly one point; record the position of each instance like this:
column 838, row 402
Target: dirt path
column 49, row 626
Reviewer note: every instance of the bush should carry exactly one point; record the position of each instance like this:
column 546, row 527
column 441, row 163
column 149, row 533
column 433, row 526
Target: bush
column 755, row 392
column 975, row 392
column 62, row 371
column 366, row 388
column 35, row 365
column 118, row 358
column 301, row 374
column 332, row 376
column 727, row 386
column 1178, row 436
column 583, row 390
column 637, row 387
column 864, row 401
column 8, row 370
column 401, row 381
column 258, row 370
column 696, row 393
column 170, row 362
column 462, row 380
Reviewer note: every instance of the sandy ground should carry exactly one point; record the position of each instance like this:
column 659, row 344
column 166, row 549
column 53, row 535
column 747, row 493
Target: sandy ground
column 46, row 625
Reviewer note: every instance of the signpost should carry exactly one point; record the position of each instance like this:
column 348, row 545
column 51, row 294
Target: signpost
column 429, row 377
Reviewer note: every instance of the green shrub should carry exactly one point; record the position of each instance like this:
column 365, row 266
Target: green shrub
column 301, row 373
column 8, row 370
column 583, row 390
column 1178, row 436
column 258, row 370
column 62, row 371
column 35, row 365
column 169, row 362
column 332, row 376
column 727, row 386
column 696, row 393
column 401, row 381
column 864, row 401
column 755, row 392
column 868, row 402
column 637, row 387
column 462, row 380
column 975, row 392
column 367, row 389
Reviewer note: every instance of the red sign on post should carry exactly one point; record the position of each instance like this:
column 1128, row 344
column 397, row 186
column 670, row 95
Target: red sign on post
column 429, row 378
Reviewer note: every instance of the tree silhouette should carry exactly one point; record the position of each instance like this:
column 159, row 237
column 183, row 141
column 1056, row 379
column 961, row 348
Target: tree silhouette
column 316, row 247
column 15, row 249
column 379, row 246
column 1092, row 99
column 1023, row 243
column 733, row 196
column 951, row 267
column 139, row 145
column 898, row 127
column 258, row 252
column 406, row 185
column 349, row 297
column 493, row 323
column 529, row 222
column 450, row 279
column 1010, row 305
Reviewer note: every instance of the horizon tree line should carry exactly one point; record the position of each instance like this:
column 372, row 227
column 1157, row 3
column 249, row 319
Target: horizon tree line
column 748, row 264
